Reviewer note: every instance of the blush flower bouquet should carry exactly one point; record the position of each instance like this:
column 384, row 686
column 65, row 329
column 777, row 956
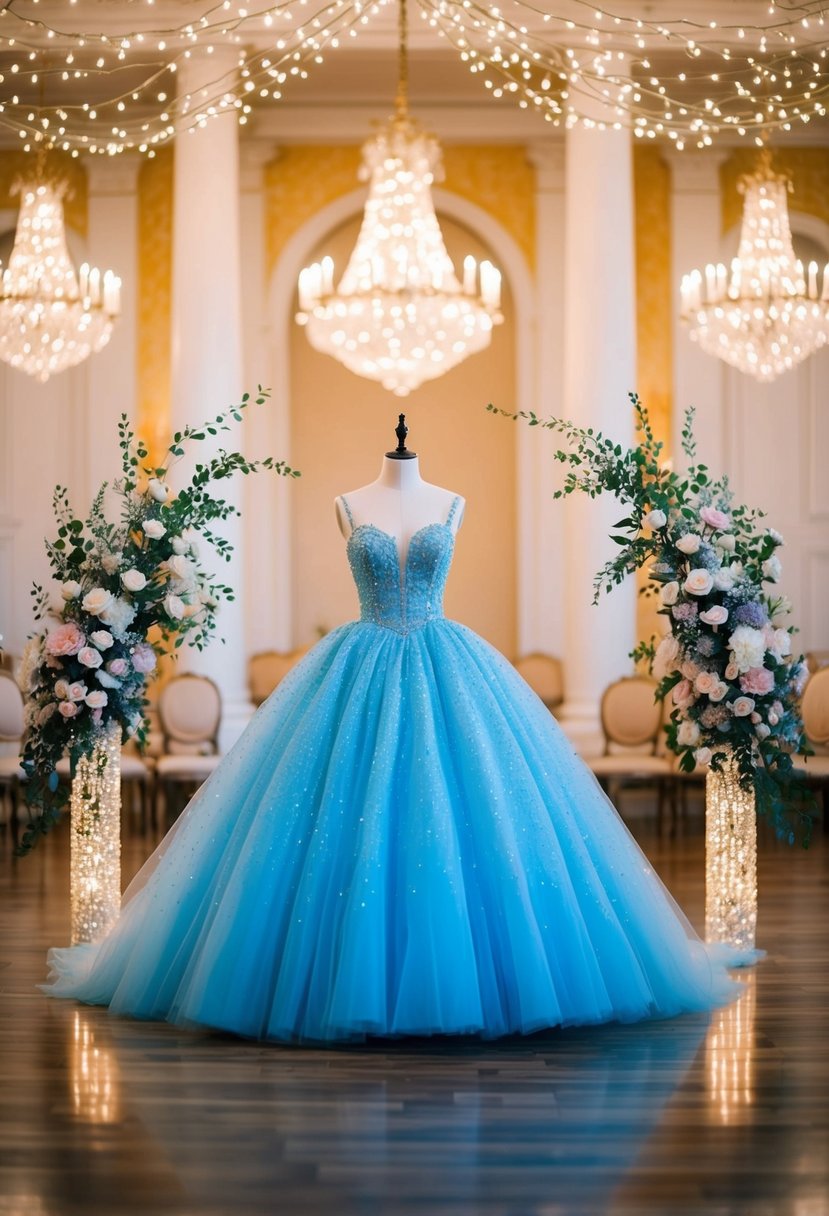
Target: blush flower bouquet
column 725, row 663
column 125, row 592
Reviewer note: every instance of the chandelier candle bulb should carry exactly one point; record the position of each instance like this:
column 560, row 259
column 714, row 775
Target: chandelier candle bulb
column 469, row 275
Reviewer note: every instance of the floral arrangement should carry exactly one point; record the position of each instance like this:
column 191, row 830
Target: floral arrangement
column 127, row 592
column 725, row 663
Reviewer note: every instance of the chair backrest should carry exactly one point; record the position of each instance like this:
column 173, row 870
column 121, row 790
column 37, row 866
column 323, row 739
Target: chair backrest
column 545, row 676
column 267, row 669
column 815, row 707
column 816, row 659
column 190, row 712
column 631, row 717
column 11, row 709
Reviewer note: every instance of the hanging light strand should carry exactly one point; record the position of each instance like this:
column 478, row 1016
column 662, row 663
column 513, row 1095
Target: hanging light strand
column 742, row 80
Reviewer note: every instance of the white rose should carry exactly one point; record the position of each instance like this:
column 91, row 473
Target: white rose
column 723, row 579
column 718, row 692
column 689, row 543
column 748, row 647
column 154, row 529
column 70, row 590
column 773, row 568
column 665, row 658
column 762, row 731
column 726, row 542
column 119, row 615
column 703, row 755
column 90, row 657
column 179, row 544
column 111, row 562
column 688, row 733
column 101, row 638
column 780, row 643
column 133, row 580
column 180, row 566
column 158, row 489
column 96, row 601
column 654, row 520
column 96, row 699
column 174, row 607
column 698, row 582
column 742, row 707
column 774, row 536
column 669, row 593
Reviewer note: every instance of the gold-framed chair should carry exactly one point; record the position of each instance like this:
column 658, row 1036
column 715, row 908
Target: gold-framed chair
column 189, row 714
column 814, row 709
column 12, row 725
column 631, row 720
column 267, row 669
column 545, row 675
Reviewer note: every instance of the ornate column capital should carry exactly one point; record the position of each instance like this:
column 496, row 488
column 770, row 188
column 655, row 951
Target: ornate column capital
column 111, row 176
column 696, row 172
column 548, row 160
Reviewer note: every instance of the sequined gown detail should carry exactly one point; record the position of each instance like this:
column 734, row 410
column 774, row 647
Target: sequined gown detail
column 402, row 842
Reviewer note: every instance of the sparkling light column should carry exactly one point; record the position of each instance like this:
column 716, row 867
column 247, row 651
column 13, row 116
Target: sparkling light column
column 95, row 855
column 730, row 863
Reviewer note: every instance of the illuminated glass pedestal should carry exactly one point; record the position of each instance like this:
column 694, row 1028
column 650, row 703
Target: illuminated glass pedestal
column 731, row 865
column 95, row 875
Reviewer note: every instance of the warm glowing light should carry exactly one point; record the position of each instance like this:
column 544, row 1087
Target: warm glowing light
column 50, row 317
column 730, row 861
column 729, row 1054
column 766, row 314
column 93, row 1072
column 95, row 856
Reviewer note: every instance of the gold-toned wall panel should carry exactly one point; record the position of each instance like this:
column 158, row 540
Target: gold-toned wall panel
column 16, row 165
column 155, row 259
column 501, row 181
column 654, row 312
column 808, row 169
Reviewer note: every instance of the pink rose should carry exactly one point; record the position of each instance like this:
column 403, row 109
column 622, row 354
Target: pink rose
column 68, row 709
column 715, row 519
column 757, row 680
column 716, row 615
column 90, row 657
column 705, row 681
column 96, row 699
column 682, row 692
column 76, row 691
column 718, row 692
column 742, row 707
column 143, row 658
column 732, row 671
column 97, row 716
column 66, row 639
column 690, row 670
column 117, row 667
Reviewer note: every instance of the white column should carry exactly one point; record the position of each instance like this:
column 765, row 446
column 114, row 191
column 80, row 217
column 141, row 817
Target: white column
column 695, row 241
column 267, row 499
column 207, row 344
column 599, row 371
column 540, row 516
column 112, row 244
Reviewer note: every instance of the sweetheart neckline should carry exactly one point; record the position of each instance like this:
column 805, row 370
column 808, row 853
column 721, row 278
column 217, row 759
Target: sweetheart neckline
column 402, row 566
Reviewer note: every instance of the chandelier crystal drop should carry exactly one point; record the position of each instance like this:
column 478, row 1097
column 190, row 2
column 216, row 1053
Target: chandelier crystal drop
column 768, row 313
column 400, row 314
column 51, row 317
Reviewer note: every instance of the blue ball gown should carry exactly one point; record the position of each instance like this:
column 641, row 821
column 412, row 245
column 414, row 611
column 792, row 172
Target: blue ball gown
column 402, row 842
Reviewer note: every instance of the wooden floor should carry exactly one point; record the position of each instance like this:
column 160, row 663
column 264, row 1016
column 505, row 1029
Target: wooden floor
column 717, row 1116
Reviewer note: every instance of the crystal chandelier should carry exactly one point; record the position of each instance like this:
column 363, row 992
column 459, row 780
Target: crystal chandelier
column 767, row 314
column 400, row 315
column 50, row 317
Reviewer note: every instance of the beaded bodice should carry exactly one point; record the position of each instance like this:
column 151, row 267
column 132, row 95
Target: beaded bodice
column 397, row 599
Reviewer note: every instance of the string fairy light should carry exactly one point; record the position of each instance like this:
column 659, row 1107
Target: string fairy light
column 685, row 80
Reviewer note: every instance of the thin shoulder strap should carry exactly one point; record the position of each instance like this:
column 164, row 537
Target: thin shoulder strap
column 453, row 508
column 348, row 514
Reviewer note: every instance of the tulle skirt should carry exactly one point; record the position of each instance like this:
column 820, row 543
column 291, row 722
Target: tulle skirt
column 402, row 842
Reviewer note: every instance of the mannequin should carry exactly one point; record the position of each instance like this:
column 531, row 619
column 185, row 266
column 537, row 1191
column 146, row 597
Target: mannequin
column 399, row 502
